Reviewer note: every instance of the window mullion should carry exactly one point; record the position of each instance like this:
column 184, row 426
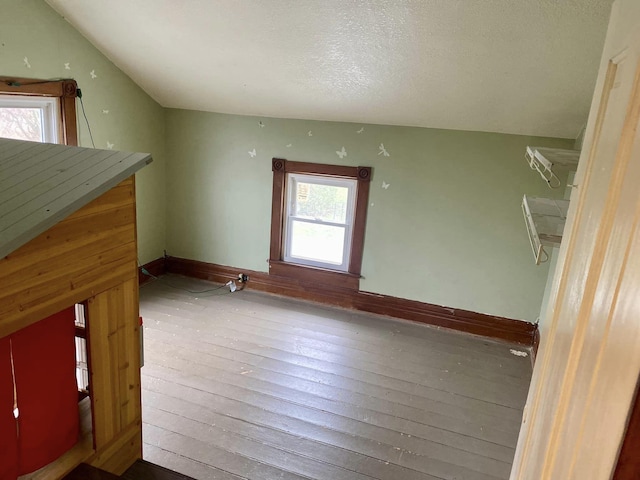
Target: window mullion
column 319, row 222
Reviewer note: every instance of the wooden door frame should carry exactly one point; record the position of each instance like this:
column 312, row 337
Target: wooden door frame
column 584, row 387
column 628, row 465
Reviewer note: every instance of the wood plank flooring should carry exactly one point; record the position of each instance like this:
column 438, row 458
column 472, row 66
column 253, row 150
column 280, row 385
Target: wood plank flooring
column 252, row 386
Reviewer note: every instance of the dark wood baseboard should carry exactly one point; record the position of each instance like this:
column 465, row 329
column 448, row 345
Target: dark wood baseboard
column 534, row 346
column 500, row 328
column 155, row 267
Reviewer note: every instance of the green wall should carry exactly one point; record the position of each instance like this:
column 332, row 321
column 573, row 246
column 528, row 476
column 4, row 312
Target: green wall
column 134, row 122
column 448, row 230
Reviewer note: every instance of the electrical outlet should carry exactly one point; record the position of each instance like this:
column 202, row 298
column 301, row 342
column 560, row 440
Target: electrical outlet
column 243, row 278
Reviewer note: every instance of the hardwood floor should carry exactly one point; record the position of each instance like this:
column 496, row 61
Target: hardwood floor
column 251, row 386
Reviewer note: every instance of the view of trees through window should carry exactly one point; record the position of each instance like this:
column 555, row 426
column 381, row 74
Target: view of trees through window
column 321, row 202
column 21, row 123
column 319, row 222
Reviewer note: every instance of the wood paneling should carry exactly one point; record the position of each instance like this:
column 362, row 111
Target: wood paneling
column 476, row 323
column 118, row 455
column 89, row 256
column 43, row 184
column 114, row 377
column 87, row 253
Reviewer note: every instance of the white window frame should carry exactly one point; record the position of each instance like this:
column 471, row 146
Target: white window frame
column 49, row 106
column 291, row 181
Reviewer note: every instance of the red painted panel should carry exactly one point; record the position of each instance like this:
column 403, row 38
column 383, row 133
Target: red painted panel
column 46, row 390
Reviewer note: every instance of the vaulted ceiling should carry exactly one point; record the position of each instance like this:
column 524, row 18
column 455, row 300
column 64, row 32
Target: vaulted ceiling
column 513, row 66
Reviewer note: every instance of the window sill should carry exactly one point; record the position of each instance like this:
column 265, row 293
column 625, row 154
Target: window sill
column 307, row 274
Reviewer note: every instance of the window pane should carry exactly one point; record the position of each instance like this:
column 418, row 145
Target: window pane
column 21, row 123
column 320, row 243
column 321, row 202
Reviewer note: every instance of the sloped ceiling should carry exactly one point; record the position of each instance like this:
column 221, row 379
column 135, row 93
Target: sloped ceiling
column 513, row 66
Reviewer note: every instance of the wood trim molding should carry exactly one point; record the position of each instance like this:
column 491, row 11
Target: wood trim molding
column 33, row 86
column 277, row 208
column 499, row 328
column 534, row 346
column 155, row 267
column 66, row 90
column 313, row 274
column 280, row 168
column 68, row 112
column 319, row 169
column 360, row 221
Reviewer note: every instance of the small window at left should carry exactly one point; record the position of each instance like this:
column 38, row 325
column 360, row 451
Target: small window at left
column 29, row 118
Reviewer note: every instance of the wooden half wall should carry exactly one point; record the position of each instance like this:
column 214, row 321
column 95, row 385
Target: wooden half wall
column 90, row 256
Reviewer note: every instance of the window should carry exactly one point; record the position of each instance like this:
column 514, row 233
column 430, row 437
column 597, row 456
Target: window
column 318, row 221
column 38, row 110
column 29, row 118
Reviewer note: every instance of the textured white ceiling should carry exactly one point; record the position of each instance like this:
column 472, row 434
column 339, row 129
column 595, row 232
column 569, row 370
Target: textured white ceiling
column 515, row 66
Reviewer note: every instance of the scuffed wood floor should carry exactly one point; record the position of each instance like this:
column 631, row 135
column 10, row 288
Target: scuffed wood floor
column 252, row 386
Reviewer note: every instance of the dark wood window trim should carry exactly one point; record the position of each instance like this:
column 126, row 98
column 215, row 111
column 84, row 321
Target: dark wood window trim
column 349, row 279
column 65, row 90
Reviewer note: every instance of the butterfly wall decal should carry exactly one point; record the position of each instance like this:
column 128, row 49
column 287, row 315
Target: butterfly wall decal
column 341, row 153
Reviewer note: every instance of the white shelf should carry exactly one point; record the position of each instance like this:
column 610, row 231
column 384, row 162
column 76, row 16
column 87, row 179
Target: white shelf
column 543, row 160
column 545, row 219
